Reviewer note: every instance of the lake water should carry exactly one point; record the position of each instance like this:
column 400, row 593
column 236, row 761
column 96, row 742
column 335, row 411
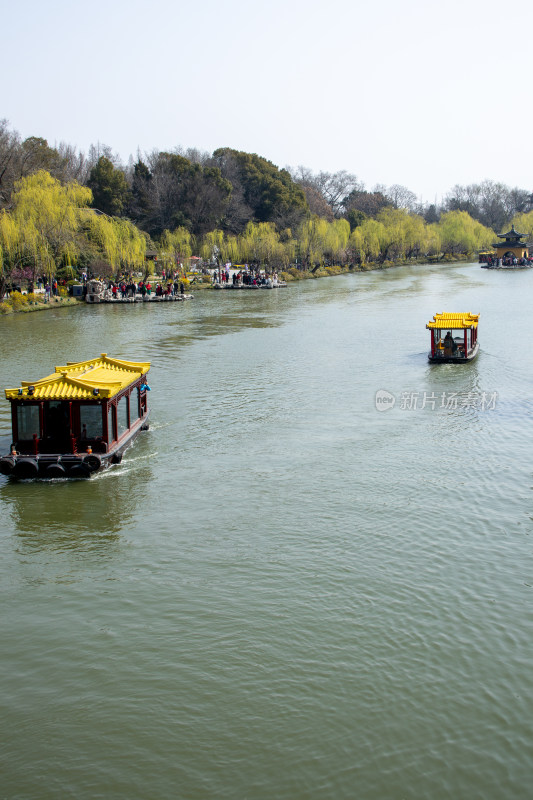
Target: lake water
column 282, row 591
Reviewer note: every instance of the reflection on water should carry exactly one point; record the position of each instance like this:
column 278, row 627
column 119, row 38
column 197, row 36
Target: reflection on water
column 79, row 514
column 281, row 591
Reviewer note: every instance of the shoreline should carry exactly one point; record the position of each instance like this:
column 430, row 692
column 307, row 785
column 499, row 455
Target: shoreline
column 29, row 306
column 293, row 275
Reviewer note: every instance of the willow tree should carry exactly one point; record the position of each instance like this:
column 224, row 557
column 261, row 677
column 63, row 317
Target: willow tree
column 211, row 246
column 312, row 236
column 460, row 234
column 132, row 244
column 417, row 237
column 10, row 248
column 175, row 246
column 22, row 251
column 120, row 242
column 337, row 236
column 43, row 228
column 229, row 251
column 405, row 233
column 286, row 250
column 524, row 223
column 367, row 240
column 259, row 242
column 393, row 240
column 433, row 241
column 10, row 237
column 53, row 211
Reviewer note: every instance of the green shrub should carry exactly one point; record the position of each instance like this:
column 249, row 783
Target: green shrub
column 17, row 300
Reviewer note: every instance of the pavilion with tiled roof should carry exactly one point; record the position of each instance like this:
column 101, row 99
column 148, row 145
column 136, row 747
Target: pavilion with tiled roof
column 511, row 247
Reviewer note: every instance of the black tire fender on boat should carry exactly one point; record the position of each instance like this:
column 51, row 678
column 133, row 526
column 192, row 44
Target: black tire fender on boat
column 92, row 461
column 56, row 470
column 78, row 470
column 6, row 465
column 145, row 426
column 26, row 468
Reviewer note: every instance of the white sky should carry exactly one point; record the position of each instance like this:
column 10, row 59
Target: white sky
column 421, row 93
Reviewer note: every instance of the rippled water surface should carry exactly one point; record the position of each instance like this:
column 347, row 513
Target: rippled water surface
column 281, row 592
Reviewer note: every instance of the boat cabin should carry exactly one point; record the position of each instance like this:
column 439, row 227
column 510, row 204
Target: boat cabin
column 78, row 419
column 453, row 337
column 487, row 257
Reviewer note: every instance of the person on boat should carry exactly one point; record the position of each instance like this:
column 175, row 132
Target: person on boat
column 449, row 342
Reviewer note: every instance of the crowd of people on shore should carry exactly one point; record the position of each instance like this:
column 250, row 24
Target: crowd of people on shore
column 509, row 261
column 123, row 287
column 129, row 288
column 244, row 277
column 48, row 288
column 168, row 284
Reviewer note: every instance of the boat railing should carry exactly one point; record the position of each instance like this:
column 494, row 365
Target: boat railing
column 28, row 446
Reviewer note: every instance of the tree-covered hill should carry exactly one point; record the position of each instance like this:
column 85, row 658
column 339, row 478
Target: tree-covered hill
column 60, row 207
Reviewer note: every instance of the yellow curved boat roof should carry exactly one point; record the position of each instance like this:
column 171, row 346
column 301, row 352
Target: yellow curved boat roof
column 454, row 320
column 98, row 378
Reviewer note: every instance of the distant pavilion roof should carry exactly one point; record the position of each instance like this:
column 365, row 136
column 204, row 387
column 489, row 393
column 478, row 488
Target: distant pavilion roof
column 511, row 235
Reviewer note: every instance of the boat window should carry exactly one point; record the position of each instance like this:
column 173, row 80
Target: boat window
column 135, row 404
column 27, row 421
column 111, row 432
column 91, row 417
column 122, row 415
column 56, row 420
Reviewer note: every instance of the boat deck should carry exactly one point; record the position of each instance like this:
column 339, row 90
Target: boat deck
column 447, row 358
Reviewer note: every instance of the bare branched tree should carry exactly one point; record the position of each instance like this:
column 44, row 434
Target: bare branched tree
column 335, row 187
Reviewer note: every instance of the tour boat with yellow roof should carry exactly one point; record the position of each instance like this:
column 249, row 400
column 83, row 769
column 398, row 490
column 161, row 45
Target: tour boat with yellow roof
column 459, row 344
column 77, row 420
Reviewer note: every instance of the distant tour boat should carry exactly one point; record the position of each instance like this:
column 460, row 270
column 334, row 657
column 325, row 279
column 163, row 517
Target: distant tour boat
column 77, row 420
column 453, row 337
